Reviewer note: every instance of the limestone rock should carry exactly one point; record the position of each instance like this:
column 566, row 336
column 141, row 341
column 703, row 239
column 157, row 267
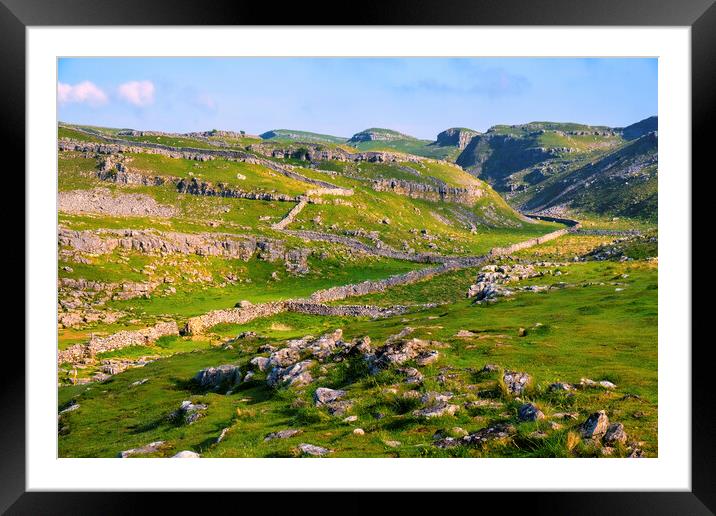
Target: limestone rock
column 615, row 433
column 311, row 449
column 223, row 376
column 148, row 448
column 595, row 426
column 296, row 375
column 262, row 363
column 282, row 434
column 529, row 412
column 324, row 396
column 516, row 382
column 186, row 454
column 441, row 408
column 188, row 412
column 559, row 386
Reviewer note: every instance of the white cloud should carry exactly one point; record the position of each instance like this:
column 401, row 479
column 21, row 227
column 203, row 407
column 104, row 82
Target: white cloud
column 85, row 92
column 139, row 93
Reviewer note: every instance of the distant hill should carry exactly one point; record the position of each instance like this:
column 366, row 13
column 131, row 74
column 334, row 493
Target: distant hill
column 455, row 137
column 301, row 136
column 639, row 129
column 379, row 134
column 377, row 139
column 543, row 165
column 622, row 182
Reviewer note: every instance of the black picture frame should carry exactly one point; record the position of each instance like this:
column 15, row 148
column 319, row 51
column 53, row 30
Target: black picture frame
column 700, row 15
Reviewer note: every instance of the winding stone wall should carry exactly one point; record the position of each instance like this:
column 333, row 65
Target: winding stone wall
column 384, row 251
column 291, row 215
column 122, row 339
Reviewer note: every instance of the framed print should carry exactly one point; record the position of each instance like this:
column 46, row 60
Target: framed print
column 445, row 249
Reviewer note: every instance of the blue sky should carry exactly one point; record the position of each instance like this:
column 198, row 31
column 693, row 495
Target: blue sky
column 341, row 96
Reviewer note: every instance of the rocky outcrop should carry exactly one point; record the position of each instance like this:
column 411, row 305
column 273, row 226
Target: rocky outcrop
column 188, row 412
column 516, row 382
column 317, row 153
column 102, row 201
column 455, row 137
column 215, row 378
column 595, row 426
column 296, row 375
column 380, row 135
column 467, row 196
column 203, row 244
column 194, row 186
column 492, row 279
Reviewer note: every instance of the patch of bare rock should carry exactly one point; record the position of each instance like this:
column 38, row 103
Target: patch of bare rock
column 492, row 281
column 102, row 201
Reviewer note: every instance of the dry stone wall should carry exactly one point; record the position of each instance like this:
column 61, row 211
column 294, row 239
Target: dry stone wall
column 352, row 243
column 85, row 352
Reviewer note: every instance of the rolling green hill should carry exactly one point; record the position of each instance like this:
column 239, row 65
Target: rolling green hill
column 290, row 135
column 622, row 182
column 549, row 165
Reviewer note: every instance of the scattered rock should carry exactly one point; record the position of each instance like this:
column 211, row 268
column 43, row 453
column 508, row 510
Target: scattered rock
column 490, row 368
column 615, row 433
column 433, row 397
column 71, row 408
column 559, row 386
column 297, row 375
column 427, row 358
column 358, row 431
column 636, row 453
column 439, row 409
column 188, row 412
column 262, row 363
column 186, row 454
column 498, row 432
column 139, row 382
column 215, row 378
column 413, row 376
column 565, row 415
column 392, row 444
column 148, row 448
column 529, row 412
column 310, row 449
column 595, row 426
column 516, row 382
column 606, row 384
column 323, row 396
column 222, row 435
column 282, row 434
column 284, row 357
column 350, row 419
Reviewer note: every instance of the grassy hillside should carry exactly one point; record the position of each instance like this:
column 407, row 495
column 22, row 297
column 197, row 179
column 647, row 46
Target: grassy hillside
column 592, row 169
column 134, row 251
column 290, row 135
column 623, row 182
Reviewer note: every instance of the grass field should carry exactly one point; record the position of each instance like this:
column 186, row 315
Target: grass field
column 573, row 332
